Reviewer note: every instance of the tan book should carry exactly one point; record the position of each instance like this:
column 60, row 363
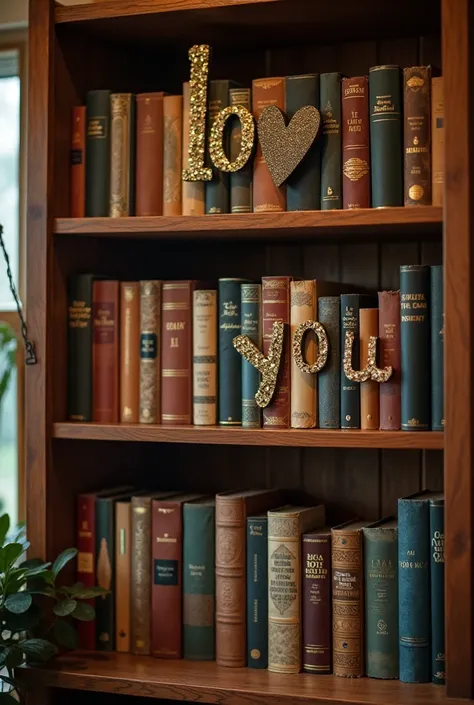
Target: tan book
column 285, row 528
column 150, row 351
column 437, row 140
column 204, row 357
column 172, row 153
column 122, row 155
column 123, row 568
column 193, row 191
column 369, row 391
column 129, row 351
column 303, row 385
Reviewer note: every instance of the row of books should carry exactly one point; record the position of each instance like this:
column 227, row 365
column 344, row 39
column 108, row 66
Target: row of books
column 245, row 579
column 381, row 144
column 162, row 352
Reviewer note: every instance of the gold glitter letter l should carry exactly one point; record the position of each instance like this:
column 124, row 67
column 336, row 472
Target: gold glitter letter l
column 268, row 366
column 199, row 58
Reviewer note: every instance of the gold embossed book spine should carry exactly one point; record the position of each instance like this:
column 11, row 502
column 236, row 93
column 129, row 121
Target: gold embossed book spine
column 355, row 143
column 417, row 135
column 205, row 357
column 140, row 601
column 122, row 157
column 172, row 153
column 150, row 334
column 129, row 351
column 437, row 136
column 303, row 385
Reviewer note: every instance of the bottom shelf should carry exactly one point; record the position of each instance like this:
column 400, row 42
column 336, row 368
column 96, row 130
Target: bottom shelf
column 205, row 682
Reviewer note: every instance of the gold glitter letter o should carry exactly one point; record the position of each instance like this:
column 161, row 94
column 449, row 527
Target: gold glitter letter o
column 216, row 147
column 195, row 171
column 323, row 347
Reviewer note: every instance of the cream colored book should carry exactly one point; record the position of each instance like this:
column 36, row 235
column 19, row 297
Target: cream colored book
column 172, row 154
column 193, row 191
column 204, row 357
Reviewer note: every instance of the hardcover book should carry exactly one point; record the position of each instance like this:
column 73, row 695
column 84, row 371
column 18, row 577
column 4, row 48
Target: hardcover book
column 331, row 141
column 172, row 153
column 417, row 135
column 123, row 569
column 316, row 565
column 205, row 357
column 217, row 190
column 105, row 351
column 329, row 379
column 355, row 143
column 98, row 153
column 122, row 155
column 79, row 354
column 78, row 162
column 150, row 351
column 230, row 361
column 257, row 592
column 251, row 318
column 149, row 164
column 193, row 194
column 437, row 136
column 276, row 306
column 438, row 661
column 240, row 181
column 437, row 349
column 389, row 346
column 303, row 385
column 369, row 390
column 129, row 351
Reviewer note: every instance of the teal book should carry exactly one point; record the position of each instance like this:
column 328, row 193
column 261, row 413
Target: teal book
column 251, row 308
column 79, row 356
column 329, row 379
column 241, row 180
column 97, row 153
column 257, row 592
column 230, row 361
column 438, row 664
column 199, row 550
column 217, row 190
column 381, row 598
column 331, row 141
column 437, row 349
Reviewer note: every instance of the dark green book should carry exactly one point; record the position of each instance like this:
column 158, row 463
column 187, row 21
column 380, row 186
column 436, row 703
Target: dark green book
column 437, row 349
column 217, row 190
column 438, row 666
column 79, row 358
column 199, row 549
column 331, row 141
column 257, row 592
column 230, row 361
column 303, row 187
column 251, row 303
column 98, row 153
column 240, row 181
column 415, row 343
column 386, row 136
column 381, row 598
column 329, row 379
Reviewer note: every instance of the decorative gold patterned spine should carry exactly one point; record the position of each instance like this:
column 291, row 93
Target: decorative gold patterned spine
column 172, row 153
column 141, row 575
column 303, row 385
column 204, row 357
column 150, row 351
column 122, row 163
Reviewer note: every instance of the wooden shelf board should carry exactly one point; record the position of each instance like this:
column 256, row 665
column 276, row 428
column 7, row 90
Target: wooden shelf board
column 219, row 435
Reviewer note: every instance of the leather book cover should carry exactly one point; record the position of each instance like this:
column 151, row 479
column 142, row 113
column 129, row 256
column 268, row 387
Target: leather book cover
column 303, row 188
column 230, row 361
column 194, row 201
column 129, row 351
column 267, row 198
column 232, row 509
column 316, row 594
column 331, row 141
column 98, row 153
column 437, row 136
column 329, row 379
column 172, row 153
column 123, row 569
column 105, row 351
column 355, row 143
column 205, row 357
column 122, row 155
column 150, row 351
column 79, row 354
column 251, row 318
column 177, row 352
column 257, row 591
column 240, row 181
column 276, row 305
column 437, row 349
column 417, row 135
column 386, row 146
column 85, row 573
column 303, row 385
column 348, row 600
column 285, row 528
column 149, row 160
column 78, row 162
column 389, row 350
column 369, row 391
column 217, row 190
column 438, row 660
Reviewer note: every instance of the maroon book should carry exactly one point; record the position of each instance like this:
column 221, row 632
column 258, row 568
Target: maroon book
column 355, row 143
column 389, row 337
column 86, row 561
column 317, row 610
column 275, row 306
column 105, row 352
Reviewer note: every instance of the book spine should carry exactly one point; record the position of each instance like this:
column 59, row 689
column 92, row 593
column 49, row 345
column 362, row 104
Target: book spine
column 267, row 198
column 303, row 190
column 414, row 590
column 347, row 604
column 329, row 379
column 355, row 143
column 122, row 155
column 438, row 665
column 140, row 599
column 331, row 141
column 417, row 135
column 437, row 136
column 149, row 163
column 389, row 343
column 85, row 573
column 240, row 181
column 105, row 352
column 303, row 385
column 369, row 391
column 199, row 555
column 251, row 307
column 205, row 357
column 381, row 602
column 79, row 407
column 129, row 351
column 193, row 194
column 150, row 351
column 98, row 153
column 172, row 153
column 105, row 557
column 276, row 306
column 386, row 149
column 316, row 561
column 230, row 361
column 78, row 162
column 217, row 190
column 350, row 391
column 257, row 592
column 177, row 353
column 415, row 347
column 437, row 349
column 122, row 575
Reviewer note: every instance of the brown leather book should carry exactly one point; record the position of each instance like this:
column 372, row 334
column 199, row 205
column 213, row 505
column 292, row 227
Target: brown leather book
column 78, row 162
column 149, row 164
column 105, row 351
column 194, row 201
column 129, row 351
column 369, row 391
column 417, row 135
column 355, row 143
column 276, row 305
column 122, row 155
column 267, row 198
column 232, row 509
column 303, row 385
column 123, row 569
column 172, row 153
column 316, row 569
column 177, row 352
column 437, row 136
column 389, row 350
column 150, row 350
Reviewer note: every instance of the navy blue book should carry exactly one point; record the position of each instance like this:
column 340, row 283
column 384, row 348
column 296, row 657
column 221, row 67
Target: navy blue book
column 329, row 379
column 251, row 303
column 437, row 349
column 257, row 592
column 438, row 664
column 230, row 361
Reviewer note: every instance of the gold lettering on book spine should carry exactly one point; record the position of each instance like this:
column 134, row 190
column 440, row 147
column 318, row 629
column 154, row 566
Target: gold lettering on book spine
column 150, row 334
column 120, row 106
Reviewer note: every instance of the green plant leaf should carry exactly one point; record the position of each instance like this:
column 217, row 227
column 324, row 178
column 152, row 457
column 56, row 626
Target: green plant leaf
column 38, row 650
column 88, row 593
column 7, row 679
column 65, row 634
column 36, row 570
column 14, row 658
column 63, row 558
column 22, row 622
column 18, row 602
column 64, row 607
column 4, row 527
column 9, row 554
column 84, row 612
